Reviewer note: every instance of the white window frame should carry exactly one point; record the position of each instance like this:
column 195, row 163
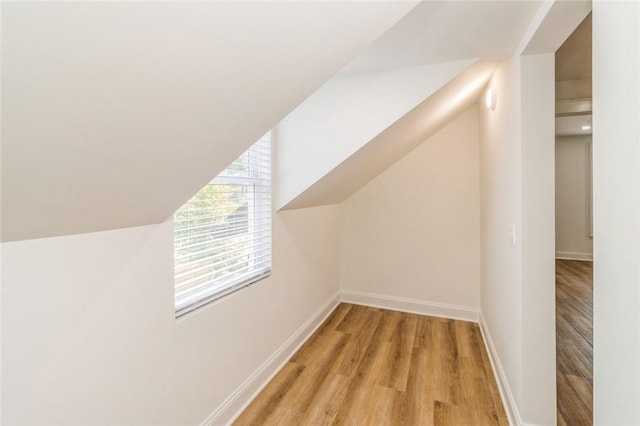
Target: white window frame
column 216, row 253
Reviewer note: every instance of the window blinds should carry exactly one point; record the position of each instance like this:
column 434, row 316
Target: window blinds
column 222, row 235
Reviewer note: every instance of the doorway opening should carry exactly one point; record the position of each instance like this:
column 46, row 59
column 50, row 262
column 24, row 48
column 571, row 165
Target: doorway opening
column 574, row 228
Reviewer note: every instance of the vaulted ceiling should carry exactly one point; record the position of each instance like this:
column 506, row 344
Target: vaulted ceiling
column 573, row 64
column 401, row 89
column 115, row 113
column 573, row 58
column 444, row 31
column 398, row 139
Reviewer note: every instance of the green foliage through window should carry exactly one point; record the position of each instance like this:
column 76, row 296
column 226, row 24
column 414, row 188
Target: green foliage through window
column 222, row 235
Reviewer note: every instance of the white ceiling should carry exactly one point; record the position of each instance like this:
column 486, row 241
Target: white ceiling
column 444, row 31
column 345, row 114
column 435, row 32
column 561, row 18
column 573, row 58
column 416, row 126
column 115, row 113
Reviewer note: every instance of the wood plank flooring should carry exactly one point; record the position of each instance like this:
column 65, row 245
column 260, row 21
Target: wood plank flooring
column 574, row 342
column 369, row 366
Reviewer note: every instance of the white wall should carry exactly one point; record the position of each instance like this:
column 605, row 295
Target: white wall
column 517, row 178
column 414, row 231
column 573, row 205
column 0, row 244
column 616, row 178
column 344, row 115
column 89, row 334
column 518, row 274
column 573, row 89
column 500, row 208
column 538, row 403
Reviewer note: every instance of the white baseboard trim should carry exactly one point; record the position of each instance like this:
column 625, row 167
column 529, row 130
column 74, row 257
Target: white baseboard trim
column 410, row 305
column 231, row 408
column 568, row 255
column 508, row 400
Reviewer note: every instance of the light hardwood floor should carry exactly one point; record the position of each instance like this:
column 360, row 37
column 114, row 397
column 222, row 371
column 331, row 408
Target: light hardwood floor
column 574, row 342
column 369, row 366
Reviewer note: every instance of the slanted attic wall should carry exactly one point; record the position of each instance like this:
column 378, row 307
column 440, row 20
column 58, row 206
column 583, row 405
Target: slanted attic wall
column 116, row 113
column 343, row 116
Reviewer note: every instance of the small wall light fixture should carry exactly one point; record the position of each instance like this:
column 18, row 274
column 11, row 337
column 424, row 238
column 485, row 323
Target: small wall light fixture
column 491, row 98
column 586, row 127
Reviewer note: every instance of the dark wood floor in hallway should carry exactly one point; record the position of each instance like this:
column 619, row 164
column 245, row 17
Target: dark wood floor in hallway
column 574, row 342
column 369, row 366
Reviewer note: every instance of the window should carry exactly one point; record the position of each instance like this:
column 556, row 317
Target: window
column 222, row 235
